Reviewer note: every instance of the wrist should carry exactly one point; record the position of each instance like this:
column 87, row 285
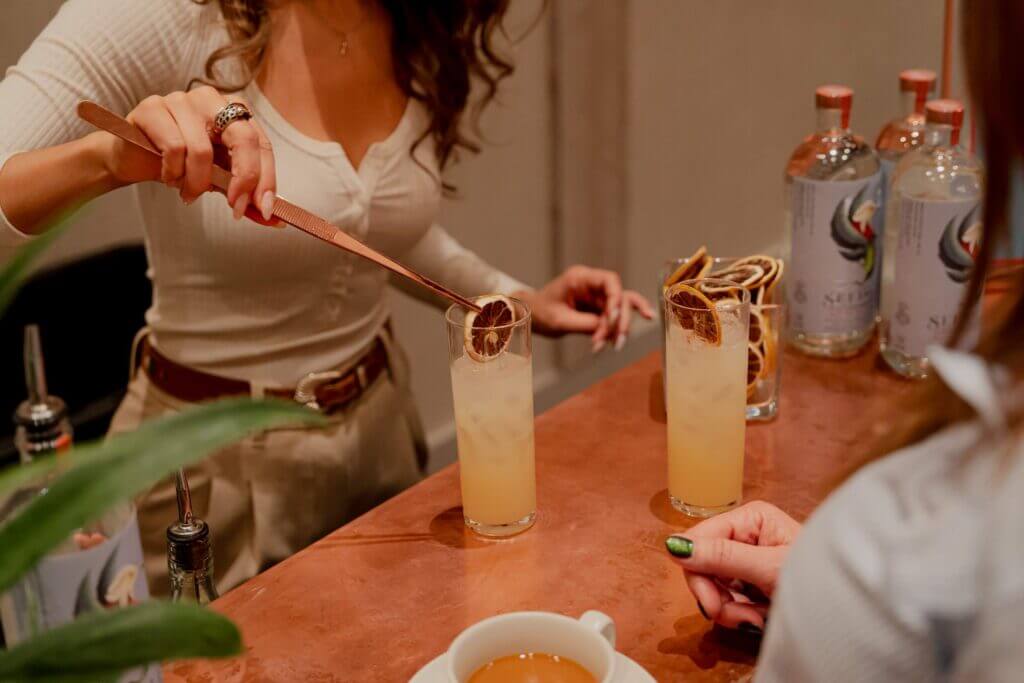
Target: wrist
column 97, row 153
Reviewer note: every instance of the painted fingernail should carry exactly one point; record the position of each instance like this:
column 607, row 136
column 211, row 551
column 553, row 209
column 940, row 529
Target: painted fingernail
column 267, row 205
column 613, row 315
column 620, row 342
column 240, row 204
column 747, row 627
column 680, row 546
column 598, row 346
column 703, row 611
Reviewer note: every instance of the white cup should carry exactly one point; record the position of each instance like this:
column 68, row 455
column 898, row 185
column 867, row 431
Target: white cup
column 589, row 640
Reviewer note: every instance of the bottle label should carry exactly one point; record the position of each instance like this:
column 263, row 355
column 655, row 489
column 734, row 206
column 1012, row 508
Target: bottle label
column 934, row 261
column 64, row 586
column 834, row 267
column 888, row 170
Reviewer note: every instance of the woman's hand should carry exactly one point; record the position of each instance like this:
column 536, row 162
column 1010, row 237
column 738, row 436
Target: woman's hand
column 587, row 301
column 178, row 125
column 731, row 562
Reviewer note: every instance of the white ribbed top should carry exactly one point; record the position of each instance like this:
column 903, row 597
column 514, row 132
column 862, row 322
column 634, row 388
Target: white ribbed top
column 232, row 297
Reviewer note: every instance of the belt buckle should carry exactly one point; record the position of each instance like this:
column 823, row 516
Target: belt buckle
column 305, row 391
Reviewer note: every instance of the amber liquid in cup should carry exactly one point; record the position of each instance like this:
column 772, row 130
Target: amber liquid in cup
column 532, row 666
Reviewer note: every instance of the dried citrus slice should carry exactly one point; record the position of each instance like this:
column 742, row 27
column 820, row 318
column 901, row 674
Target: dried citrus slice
column 755, row 368
column 757, row 327
column 488, row 333
column 696, row 312
column 767, row 264
column 744, row 274
column 692, row 268
column 718, row 293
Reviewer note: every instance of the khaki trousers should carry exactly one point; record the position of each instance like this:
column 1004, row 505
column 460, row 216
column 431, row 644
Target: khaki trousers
column 274, row 493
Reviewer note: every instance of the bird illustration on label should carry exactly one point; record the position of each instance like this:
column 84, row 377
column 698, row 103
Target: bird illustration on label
column 958, row 246
column 851, row 226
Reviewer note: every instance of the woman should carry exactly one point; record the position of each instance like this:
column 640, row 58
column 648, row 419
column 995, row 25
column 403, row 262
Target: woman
column 351, row 108
column 912, row 569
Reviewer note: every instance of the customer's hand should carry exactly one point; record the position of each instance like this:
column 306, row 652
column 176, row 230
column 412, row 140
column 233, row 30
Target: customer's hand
column 731, row 562
column 586, row 300
column 178, row 125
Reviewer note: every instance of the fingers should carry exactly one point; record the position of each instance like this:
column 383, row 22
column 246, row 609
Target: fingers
column 198, row 154
column 639, row 302
column 727, row 559
column 266, row 188
column 242, row 142
column 568, row 320
column 745, row 616
column 622, row 329
column 156, row 121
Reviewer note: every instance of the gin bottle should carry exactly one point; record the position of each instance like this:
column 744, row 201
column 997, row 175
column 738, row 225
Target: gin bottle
column 99, row 566
column 902, row 134
column 833, row 190
column 189, row 552
column 934, row 234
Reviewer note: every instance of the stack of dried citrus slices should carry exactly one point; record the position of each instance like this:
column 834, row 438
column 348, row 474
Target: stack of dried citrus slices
column 489, row 332
column 759, row 275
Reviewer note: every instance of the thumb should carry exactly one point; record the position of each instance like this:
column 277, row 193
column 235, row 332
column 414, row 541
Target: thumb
column 727, row 559
column 570, row 320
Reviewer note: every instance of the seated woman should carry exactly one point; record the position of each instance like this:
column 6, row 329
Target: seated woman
column 912, row 570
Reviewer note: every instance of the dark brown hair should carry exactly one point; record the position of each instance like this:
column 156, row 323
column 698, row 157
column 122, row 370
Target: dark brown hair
column 439, row 47
column 991, row 31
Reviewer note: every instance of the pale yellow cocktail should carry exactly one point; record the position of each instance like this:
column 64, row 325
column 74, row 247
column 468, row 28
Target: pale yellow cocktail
column 492, row 387
column 706, row 408
column 494, row 425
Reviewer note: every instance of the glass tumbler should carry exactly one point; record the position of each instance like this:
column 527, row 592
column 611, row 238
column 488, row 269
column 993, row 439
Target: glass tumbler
column 493, row 399
column 706, row 363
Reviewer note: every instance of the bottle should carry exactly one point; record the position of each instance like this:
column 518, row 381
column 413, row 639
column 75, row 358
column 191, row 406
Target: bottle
column 189, row 552
column 100, row 565
column 935, row 229
column 901, row 135
column 833, row 190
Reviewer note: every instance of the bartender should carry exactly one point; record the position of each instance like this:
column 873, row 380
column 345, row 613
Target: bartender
column 350, row 108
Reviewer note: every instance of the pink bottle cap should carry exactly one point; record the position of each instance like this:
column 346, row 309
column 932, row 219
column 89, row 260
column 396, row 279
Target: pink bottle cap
column 949, row 112
column 835, row 97
column 920, row 82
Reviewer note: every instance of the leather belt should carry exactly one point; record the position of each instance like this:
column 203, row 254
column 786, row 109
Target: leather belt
column 327, row 392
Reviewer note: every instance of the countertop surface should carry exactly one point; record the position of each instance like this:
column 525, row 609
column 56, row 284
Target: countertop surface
column 382, row 596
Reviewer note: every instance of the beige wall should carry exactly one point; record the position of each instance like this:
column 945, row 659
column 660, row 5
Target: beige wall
column 721, row 92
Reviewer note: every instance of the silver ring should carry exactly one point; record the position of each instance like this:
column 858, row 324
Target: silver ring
column 233, row 111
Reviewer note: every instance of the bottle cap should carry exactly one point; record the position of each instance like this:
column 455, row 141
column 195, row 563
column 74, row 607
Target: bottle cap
column 188, row 545
column 920, row 82
column 41, row 413
column 949, row 112
column 835, row 97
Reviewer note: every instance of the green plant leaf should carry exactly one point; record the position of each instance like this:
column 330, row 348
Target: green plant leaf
column 104, row 473
column 102, row 643
column 13, row 273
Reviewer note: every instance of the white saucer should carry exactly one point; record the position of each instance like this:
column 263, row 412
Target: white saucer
column 629, row 671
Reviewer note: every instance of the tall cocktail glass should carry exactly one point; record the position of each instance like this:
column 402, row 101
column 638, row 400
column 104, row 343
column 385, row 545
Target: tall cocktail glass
column 493, row 397
column 706, row 381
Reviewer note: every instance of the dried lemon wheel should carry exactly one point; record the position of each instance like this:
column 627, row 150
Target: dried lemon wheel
column 696, row 312
column 767, row 264
column 755, row 368
column 744, row 274
column 692, row 268
column 488, row 333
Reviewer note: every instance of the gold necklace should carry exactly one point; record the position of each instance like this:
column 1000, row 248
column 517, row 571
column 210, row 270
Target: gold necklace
column 342, row 34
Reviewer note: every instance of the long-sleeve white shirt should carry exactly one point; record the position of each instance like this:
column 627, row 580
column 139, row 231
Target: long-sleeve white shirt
column 914, row 569
column 232, row 297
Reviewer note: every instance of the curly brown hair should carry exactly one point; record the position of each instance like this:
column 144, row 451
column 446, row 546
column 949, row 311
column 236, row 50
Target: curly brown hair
column 439, row 48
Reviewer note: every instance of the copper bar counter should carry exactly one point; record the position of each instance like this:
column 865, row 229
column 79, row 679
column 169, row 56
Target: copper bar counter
column 382, row 596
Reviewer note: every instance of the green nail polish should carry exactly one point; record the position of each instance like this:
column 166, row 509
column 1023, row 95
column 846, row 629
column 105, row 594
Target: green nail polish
column 747, row 627
column 680, row 546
